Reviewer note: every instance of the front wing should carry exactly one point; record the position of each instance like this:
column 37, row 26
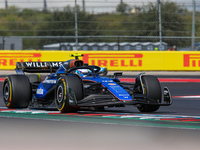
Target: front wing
column 98, row 100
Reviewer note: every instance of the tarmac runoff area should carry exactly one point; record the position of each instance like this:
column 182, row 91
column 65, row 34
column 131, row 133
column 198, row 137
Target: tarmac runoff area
column 129, row 73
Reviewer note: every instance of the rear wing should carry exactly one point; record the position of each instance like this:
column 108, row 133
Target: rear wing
column 38, row 67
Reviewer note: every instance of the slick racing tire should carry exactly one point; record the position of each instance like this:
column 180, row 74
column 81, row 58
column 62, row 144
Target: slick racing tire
column 17, row 91
column 152, row 89
column 69, row 90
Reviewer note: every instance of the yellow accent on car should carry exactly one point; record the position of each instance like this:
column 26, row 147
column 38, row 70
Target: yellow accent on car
column 65, row 89
column 39, row 77
column 10, row 96
column 145, row 92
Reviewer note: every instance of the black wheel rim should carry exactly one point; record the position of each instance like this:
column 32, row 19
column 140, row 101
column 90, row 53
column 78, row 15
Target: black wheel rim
column 60, row 94
column 6, row 92
column 60, row 97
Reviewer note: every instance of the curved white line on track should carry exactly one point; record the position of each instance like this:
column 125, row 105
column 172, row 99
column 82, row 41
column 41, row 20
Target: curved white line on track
column 187, row 96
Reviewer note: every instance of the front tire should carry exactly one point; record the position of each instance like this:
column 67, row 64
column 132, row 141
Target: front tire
column 17, row 91
column 152, row 89
column 69, row 89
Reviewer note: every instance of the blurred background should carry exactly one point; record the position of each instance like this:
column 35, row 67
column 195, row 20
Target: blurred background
column 100, row 25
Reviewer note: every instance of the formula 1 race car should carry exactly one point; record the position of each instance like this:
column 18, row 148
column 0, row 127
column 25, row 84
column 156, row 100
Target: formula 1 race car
column 72, row 85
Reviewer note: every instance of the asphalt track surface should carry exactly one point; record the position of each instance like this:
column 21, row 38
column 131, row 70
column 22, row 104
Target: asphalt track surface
column 171, row 127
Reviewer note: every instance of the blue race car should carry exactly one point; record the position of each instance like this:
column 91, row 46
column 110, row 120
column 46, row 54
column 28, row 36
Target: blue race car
column 72, row 85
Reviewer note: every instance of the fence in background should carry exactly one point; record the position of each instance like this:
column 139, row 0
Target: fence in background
column 43, row 22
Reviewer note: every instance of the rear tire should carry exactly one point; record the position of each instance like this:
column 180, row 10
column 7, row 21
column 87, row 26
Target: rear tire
column 68, row 88
column 152, row 89
column 17, row 91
